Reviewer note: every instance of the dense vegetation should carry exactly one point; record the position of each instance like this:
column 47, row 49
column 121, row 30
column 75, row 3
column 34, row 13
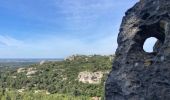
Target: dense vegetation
column 13, row 95
column 59, row 79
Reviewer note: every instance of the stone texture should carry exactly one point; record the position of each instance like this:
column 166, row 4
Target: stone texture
column 136, row 74
column 90, row 77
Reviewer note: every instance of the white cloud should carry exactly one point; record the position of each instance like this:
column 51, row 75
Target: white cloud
column 83, row 14
column 56, row 47
column 9, row 41
column 75, row 14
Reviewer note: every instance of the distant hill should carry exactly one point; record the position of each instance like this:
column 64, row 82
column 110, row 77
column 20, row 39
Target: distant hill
column 21, row 62
column 75, row 76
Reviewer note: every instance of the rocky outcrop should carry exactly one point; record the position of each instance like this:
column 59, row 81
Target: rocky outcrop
column 28, row 71
column 21, row 70
column 31, row 71
column 136, row 74
column 42, row 62
column 90, row 77
column 96, row 98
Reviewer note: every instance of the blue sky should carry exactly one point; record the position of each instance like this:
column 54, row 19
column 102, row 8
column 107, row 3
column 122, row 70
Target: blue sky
column 59, row 28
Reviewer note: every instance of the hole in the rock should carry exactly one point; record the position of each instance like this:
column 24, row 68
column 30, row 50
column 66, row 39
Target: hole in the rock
column 149, row 44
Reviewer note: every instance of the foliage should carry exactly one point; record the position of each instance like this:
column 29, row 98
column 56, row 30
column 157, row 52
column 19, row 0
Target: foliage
column 57, row 78
column 12, row 95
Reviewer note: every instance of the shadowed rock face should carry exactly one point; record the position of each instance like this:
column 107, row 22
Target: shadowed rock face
column 136, row 74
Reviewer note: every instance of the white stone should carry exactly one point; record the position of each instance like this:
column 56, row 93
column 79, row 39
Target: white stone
column 90, row 77
column 20, row 70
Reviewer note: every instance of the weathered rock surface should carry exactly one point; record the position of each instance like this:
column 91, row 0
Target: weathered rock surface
column 136, row 74
column 90, row 77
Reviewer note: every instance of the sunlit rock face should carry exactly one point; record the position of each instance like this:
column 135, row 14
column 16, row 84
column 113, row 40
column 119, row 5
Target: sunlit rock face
column 137, row 74
column 90, row 77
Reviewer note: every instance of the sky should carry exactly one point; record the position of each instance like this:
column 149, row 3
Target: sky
column 60, row 28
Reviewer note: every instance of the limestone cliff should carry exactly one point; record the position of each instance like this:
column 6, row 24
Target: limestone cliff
column 136, row 74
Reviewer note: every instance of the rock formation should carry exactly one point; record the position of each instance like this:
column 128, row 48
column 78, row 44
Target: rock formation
column 90, row 77
column 136, row 74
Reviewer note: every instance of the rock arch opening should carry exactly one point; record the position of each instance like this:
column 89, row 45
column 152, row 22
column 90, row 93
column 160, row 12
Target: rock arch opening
column 149, row 44
column 150, row 38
